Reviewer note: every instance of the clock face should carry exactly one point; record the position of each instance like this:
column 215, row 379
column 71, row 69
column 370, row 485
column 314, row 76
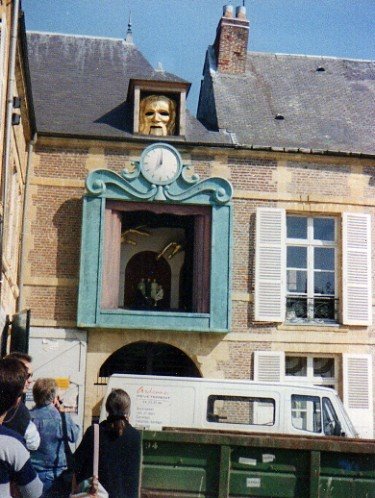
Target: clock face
column 160, row 164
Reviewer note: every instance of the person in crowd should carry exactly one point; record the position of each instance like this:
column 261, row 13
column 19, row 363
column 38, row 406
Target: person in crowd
column 15, row 464
column 18, row 418
column 54, row 426
column 119, row 450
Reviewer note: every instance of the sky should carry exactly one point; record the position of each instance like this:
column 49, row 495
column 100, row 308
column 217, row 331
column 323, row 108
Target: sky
column 176, row 33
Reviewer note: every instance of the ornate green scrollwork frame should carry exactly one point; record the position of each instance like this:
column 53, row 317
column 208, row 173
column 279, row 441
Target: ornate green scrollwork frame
column 103, row 185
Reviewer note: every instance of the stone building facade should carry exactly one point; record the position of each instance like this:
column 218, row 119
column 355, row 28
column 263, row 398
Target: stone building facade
column 287, row 283
column 17, row 130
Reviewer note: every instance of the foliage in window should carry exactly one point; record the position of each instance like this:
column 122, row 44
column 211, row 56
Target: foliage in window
column 296, row 366
column 316, row 370
column 324, row 367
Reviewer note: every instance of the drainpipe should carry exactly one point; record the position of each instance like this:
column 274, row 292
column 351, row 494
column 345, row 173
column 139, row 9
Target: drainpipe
column 21, row 269
column 8, row 127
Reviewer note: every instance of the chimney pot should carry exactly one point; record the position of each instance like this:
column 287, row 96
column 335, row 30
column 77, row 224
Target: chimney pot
column 241, row 12
column 228, row 11
column 230, row 45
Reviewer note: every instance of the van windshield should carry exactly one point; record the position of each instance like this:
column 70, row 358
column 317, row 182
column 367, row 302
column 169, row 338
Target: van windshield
column 352, row 430
column 331, row 424
column 241, row 410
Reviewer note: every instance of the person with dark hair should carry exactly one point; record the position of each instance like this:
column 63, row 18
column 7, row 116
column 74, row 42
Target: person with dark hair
column 18, row 418
column 24, row 357
column 15, row 464
column 49, row 460
column 119, row 450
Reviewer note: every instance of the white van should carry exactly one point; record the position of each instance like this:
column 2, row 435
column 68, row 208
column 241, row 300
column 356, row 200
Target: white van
column 238, row 405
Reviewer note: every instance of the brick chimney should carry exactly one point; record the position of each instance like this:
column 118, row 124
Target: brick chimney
column 231, row 41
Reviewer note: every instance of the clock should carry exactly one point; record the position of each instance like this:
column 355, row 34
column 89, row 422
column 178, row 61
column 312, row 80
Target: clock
column 160, row 164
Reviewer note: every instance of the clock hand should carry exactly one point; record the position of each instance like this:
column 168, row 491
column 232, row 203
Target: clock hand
column 160, row 159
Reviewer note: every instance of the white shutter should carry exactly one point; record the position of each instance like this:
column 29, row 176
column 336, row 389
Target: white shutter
column 357, row 299
column 269, row 366
column 358, row 394
column 270, row 265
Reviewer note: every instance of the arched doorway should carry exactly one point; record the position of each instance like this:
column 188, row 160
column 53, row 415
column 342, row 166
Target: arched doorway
column 148, row 358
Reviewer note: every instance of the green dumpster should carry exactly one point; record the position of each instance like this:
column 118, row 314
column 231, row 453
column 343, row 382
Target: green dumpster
column 209, row 464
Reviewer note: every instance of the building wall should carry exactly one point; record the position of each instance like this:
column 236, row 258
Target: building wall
column 20, row 136
column 297, row 182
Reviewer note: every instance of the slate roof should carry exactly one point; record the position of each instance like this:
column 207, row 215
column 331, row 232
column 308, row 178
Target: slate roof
column 80, row 85
column 330, row 109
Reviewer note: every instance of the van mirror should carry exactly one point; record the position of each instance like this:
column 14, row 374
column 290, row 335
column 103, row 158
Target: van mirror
column 337, row 430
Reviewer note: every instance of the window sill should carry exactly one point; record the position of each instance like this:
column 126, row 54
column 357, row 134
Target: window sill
column 332, row 327
column 156, row 313
column 314, row 323
column 154, row 320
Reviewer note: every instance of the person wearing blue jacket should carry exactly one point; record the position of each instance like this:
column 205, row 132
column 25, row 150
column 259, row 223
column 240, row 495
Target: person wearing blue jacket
column 49, row 460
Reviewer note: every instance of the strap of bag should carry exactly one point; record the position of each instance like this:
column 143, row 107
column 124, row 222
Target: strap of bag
column 95, row 481
column 96, row 451
column 68, row 451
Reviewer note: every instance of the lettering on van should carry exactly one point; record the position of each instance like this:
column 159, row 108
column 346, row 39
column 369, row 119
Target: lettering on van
column 152, row 407
column 152, row 391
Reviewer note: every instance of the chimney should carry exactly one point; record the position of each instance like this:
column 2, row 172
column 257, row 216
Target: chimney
column 231, row 41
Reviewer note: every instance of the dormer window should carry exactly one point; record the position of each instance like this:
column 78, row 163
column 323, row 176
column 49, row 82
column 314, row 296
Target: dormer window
column 157, row 115
column 158, row 107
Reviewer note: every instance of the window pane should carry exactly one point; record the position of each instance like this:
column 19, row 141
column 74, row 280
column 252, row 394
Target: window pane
column 324, row 309
column 306, row 413
column 324, row 283
column 296, row 308
column 296, row 366
column 240, row 410
column 297, row 281
column 324, row 229
column 324, row 367
column 296, row 227
column 324, row 259
column 296, row 257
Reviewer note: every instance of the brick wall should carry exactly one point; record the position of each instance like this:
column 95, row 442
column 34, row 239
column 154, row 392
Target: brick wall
column 316, row 186
column 256, row 175
column 231, row 42
column 321, row 179
column 52, row 304
column 116, row 160
column 56, row 231
column 56, row 207
column 61, row 163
